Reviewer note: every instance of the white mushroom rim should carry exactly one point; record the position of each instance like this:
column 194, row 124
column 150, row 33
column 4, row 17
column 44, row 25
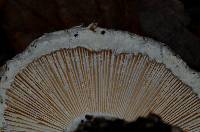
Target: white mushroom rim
column 117, row 41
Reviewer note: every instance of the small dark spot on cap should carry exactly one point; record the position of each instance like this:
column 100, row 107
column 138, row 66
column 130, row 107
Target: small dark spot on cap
column 76, row 35
column 7, row 68
column 82, row 121
column 1, row 99
column 103, row 32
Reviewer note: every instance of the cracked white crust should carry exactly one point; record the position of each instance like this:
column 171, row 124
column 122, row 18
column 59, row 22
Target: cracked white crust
column 115, row 40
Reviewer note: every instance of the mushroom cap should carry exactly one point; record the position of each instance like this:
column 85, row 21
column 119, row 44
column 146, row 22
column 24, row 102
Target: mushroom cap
column 63, row 75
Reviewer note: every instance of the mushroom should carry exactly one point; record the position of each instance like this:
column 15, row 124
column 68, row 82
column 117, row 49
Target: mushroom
column 61, row 77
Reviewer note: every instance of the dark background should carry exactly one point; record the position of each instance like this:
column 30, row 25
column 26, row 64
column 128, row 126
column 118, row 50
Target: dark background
column 174, row 22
